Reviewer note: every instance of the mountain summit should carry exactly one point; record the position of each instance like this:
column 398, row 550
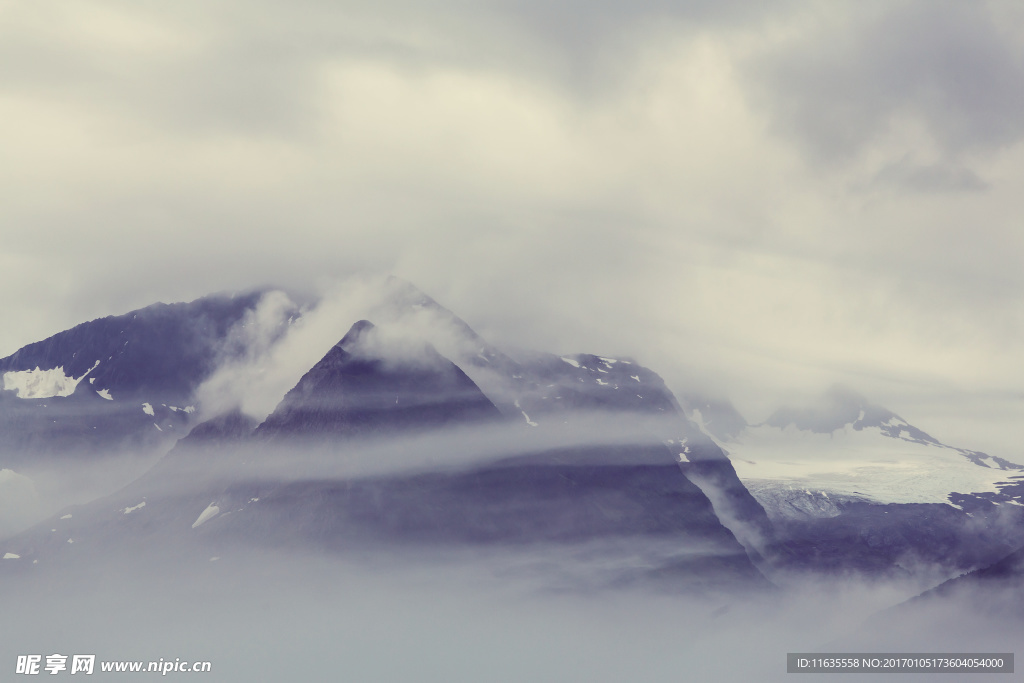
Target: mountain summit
column 367, row 386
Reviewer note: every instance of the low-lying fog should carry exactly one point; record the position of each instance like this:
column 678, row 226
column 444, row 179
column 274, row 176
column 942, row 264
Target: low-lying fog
column 31, row 493
column 460, row 616
column 447, row 614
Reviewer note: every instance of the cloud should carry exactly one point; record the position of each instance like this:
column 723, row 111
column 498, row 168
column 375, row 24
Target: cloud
column 845, row 80
column 246, row 357
column 268, row 354
column 457, row 616
column 749, row 199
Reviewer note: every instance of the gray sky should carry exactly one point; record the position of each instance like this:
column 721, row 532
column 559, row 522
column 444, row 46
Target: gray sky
column 753, row 199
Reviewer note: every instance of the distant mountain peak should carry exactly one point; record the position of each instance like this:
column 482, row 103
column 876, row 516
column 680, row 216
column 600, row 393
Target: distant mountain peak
column 841, row 406
column 717, row 417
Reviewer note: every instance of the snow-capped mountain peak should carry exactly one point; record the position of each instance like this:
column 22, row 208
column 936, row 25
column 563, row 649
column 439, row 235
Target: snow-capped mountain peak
column 803, row 461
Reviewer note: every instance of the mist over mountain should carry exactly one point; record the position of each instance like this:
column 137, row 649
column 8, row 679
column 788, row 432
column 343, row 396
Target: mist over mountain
column 356, row 391
column 127, row 382
column 410, row 439
column 541, row 473
column 851, row 486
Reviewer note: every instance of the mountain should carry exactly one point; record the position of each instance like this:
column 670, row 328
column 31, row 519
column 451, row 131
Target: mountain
column 607, row 514
column 89, row 409
column 845, row 484
column 573, row 391
column 802, row 463
column 849, row 483
column 124, row 382
column 354, row 391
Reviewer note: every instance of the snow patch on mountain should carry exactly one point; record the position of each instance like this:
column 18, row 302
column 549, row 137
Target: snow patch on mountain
column 40, row 383
column 211, row 511
column 525, row 416
column 861, row 464
column 148, row 409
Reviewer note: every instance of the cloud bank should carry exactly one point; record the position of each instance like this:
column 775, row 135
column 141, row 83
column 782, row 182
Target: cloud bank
column 754, row 201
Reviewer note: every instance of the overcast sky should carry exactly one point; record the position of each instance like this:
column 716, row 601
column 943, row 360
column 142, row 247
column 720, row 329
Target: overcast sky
column 756, row 199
